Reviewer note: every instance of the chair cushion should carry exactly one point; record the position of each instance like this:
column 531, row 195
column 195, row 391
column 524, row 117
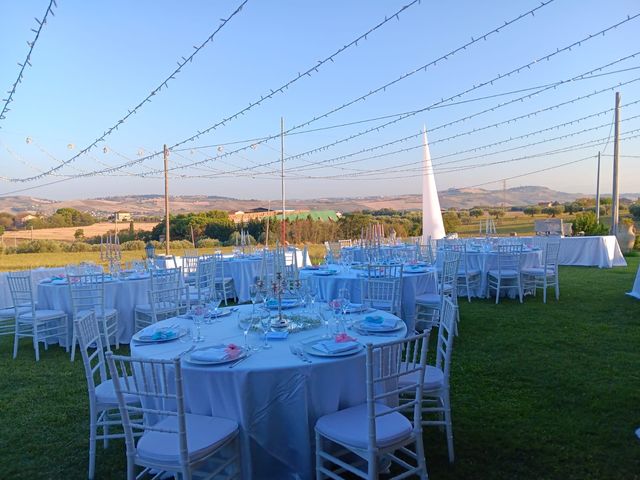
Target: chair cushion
column 350, row 426
column 204, row 435
column 428, row 299
column 107, row 312
column 433, row 378
column 538, row 272
column 6, row 313
column 160, row 307
column 468, row 273
column 41, row 315
column 503, row 274
column 106, row 394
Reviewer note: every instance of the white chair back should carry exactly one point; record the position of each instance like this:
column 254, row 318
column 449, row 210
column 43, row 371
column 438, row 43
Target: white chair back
column 166, row 278
column 87, row 292
column 446, row 334
column 509, row 258
column 159, row 384
column 393, row 369
column 89, row 338
column 551, row 252
column 382, row 288
column 21, row 291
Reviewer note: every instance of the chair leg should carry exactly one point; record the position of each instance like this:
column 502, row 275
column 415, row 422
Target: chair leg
column 448, row 426
column 557, row 288
column 319, row 462
column 498, row 291
column 92, row 446
column 544, row 291
column 16, row 340
column 36, row 344
column 74, row 341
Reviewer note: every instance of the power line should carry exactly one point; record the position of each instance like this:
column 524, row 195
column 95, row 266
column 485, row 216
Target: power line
column 27, row 61
column 134, row 110
column 372, row 92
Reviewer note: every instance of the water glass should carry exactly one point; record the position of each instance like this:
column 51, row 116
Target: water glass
column 265, row 323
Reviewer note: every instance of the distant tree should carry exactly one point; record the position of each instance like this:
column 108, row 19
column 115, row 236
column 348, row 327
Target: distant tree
column 132, row 231
column 634, row 210
column 7, row 220
column 451, row 222
column 496, row 212
column 532, row 210
column 476, row 212
column 79, row 234
column 1, row 230
column 553, row 211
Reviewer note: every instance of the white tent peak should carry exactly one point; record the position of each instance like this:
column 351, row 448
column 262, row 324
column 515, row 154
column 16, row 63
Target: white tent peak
column 432, row 224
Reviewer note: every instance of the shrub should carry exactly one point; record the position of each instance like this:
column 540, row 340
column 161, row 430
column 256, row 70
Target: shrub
column 586, row 222
column 634, row 210
column 39, row 246
column 78, row 247
column 208, row 243
column 133, row 245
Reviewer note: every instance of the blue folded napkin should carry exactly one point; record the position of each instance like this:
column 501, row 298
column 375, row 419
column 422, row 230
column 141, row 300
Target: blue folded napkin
column 376, row 322
column 158, row 334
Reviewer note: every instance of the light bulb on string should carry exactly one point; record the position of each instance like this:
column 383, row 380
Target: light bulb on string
column 28, row 140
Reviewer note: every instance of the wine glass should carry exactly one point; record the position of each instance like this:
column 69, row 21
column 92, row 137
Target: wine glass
column 325, row 315
column 265, row 323
column 246, row 323
column 345, row 301
column 253, row 295
column 197, row 313
column 214, row 305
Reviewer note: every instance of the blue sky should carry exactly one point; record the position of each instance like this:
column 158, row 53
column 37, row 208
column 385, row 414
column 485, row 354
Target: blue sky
column 95, row 60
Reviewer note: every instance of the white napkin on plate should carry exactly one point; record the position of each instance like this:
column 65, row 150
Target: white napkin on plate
column 217, row 353
column 331, row 346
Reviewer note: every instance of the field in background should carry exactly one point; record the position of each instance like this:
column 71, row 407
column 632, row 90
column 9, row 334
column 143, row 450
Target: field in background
column 65, row 234
column 26, row 261
column 512, row 222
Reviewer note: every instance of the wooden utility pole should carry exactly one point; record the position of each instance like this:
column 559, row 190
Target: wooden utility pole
column 614, row 193
column 283, row 230
column 598, row 191
column 266, row 240
column 166, row 199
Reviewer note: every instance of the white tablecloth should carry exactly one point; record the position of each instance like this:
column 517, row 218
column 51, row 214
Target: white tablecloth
column 37, row 274
column 413, row 284
column 635, row 291
column 602, row 252
column 123, row 295
column 274, row 396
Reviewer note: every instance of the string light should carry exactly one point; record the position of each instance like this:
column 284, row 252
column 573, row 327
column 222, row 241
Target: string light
column 147, row 99
column 27, row 61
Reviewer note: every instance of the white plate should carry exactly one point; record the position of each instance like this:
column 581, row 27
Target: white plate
column 308, row 348
column 181, row 332
column 221, row 313
column 361, row 325
column 285, row 304
column 324, row 273
column 214, row 362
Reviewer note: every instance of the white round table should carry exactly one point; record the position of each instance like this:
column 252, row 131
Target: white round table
column 123, row 295
column 413, row 284
column 274, row 396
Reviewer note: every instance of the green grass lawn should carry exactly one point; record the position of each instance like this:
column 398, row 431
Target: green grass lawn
column 538, row 391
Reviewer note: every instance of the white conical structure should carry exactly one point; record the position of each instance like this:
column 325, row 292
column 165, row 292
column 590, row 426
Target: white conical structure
column 432, row 224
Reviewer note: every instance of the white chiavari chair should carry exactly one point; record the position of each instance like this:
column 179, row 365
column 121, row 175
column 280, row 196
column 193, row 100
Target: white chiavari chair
column 223, row 283
column 357, row 440
column 429, row 305
column 507, row 275
column 87, row 294
column 38, row 324
column 171, row 440
column 167, row 281
column 103, row 403
column 534, row 278
column 435, row 391
column 382, row 288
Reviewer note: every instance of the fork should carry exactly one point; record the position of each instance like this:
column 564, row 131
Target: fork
column 295, row 351
column 302, row 354
column 190, row 349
